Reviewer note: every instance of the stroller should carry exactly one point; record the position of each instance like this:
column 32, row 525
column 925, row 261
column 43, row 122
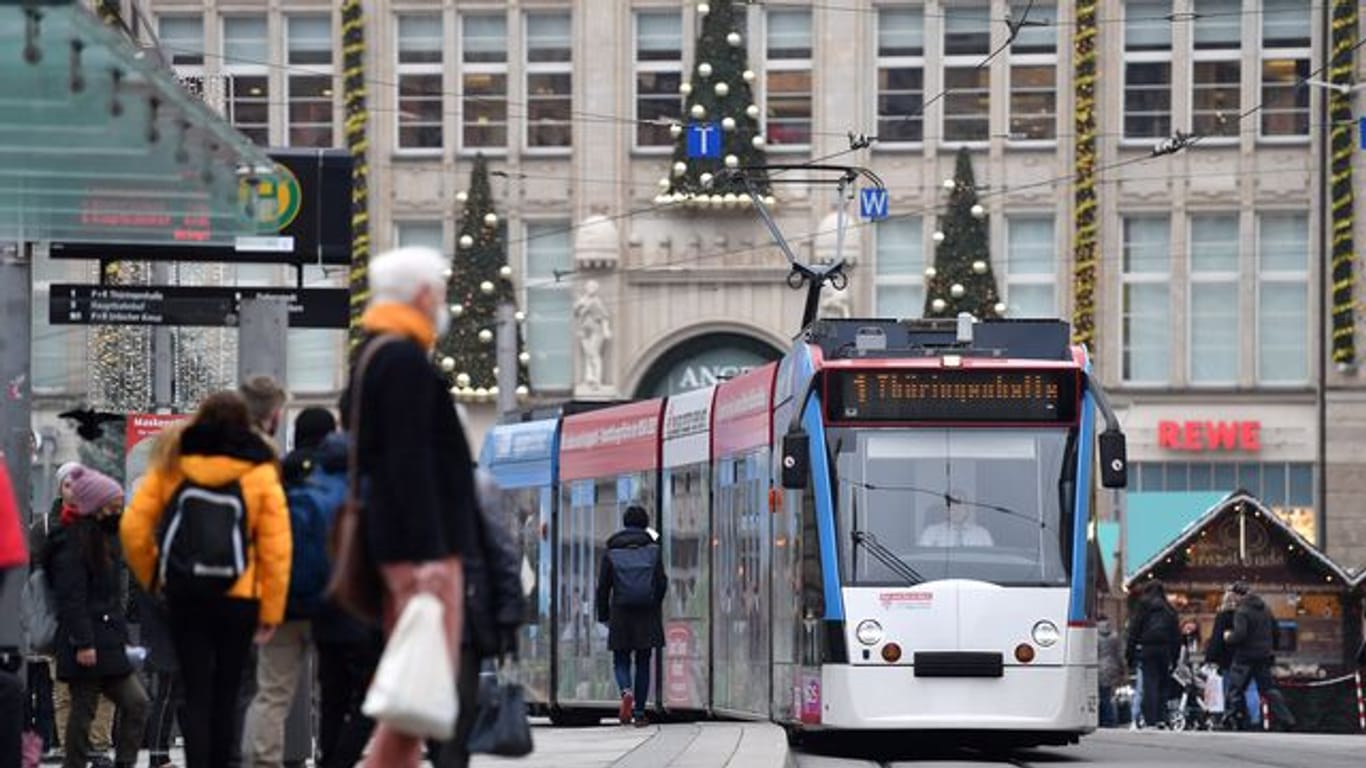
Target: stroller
column 1192, row 705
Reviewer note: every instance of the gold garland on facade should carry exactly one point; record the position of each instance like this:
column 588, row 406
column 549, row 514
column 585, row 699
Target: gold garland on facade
column 1084, row 229
column 358, row 142
column 1343, row 40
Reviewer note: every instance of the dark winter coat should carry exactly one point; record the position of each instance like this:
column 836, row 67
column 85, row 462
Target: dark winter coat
column 331, row 624
column 1111, row 658
column 1254, row 631
column 415, row 464
column 1154, row 631
column 629, row 628
column 494, row 603
column 1218, row 652
column 89, row 604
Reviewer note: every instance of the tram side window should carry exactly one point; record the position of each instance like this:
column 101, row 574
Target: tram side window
column 684, row 525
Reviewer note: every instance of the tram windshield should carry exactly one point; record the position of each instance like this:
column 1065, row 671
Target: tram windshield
column 983, row 504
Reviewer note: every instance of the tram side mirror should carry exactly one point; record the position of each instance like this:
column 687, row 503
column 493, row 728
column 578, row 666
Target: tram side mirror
column 796, row 460
column 1114, row 460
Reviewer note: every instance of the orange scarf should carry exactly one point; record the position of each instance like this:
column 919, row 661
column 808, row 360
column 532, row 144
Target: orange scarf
column 400, row 319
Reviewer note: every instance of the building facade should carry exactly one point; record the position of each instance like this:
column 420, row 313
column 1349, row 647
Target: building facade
column 1209, row 314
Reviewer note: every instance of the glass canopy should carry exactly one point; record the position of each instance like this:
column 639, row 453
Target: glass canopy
column 99, row 143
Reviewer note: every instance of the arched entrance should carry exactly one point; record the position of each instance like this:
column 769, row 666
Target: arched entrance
column 703, row 360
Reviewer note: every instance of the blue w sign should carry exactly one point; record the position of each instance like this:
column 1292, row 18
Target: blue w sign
column 704, row 140
column 872, row 203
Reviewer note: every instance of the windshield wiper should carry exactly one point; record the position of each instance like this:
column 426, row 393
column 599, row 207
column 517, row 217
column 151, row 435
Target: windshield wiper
column 887, row 557
column 950, row 500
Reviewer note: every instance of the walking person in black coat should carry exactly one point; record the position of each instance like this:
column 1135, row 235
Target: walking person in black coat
column 92, row 634
column 1253, row 642
column 630, row 596
column 1154, row 638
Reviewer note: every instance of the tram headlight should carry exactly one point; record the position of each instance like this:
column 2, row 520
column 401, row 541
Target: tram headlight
column 868, row 632
column 1045, row 634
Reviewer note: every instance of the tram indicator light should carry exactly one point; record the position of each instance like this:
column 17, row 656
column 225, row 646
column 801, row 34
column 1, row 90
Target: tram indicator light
column 952, row 395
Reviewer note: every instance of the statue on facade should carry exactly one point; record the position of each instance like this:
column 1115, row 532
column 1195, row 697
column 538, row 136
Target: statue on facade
column 595, row 330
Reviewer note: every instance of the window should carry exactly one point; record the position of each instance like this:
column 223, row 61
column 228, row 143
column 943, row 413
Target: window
column 1146, row 299
column 1283, row 298
column 1147, row 69
column 967, row 84
column 1030, row 267
column 659, row 73
column 1216, row 64
column 549, row 305
column 310, row 81
column 900, row 75
column 1214, row 267
column 1279, row 485
column 428, row 233
column 182, row 38
column 1285, row 65
column 549, row 80
column 315, row 354
column 246, row 58
column 788, row 84
column 900, row 275
column 419, row 82
column 484, row 81
column 1033, row 76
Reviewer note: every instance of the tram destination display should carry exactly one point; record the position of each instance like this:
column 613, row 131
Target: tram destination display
column 952, row 395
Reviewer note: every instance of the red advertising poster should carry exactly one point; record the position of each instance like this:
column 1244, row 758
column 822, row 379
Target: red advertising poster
column 140, row 437
column 611, row 441
column 743, row 411
column 678, row 650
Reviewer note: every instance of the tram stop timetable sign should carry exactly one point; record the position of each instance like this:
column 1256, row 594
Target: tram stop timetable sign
column 704, row 140
column 872, row 203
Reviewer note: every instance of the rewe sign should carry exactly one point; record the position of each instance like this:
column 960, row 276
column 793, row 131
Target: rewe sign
column 1210, row 436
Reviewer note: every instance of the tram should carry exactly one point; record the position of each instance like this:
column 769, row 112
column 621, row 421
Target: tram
column 886, row 530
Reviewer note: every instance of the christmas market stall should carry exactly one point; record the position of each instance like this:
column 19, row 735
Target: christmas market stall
column 1239, row 539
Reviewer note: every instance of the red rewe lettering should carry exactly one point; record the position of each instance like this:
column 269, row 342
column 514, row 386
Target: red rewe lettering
column 1192, row 437
column 1168, row 435
column 1222, row 435
column 1250, row 435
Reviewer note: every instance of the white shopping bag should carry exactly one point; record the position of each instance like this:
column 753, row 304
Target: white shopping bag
column 1214, row 691
column 414, row 687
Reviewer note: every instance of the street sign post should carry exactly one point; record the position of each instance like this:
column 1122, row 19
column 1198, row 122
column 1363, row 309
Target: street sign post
column 872, row 203
column 190, row 306
column 704, row 140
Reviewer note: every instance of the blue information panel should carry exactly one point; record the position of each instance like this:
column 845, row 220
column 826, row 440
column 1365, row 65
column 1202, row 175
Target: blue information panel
column 872, row 203
column 704, row 140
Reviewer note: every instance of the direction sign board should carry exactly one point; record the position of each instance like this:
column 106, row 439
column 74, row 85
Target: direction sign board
column 872, row 203
column 189, row 305
column 704, row 140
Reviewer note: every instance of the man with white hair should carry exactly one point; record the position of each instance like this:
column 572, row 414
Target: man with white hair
column 414, row 460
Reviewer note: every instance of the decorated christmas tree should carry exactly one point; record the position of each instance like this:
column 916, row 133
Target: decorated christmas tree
column 720, row 119
column 480, row 281
column 961, row 279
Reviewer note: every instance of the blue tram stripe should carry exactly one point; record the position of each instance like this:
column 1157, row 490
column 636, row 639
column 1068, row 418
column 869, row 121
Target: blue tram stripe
column 825, row 516
column 1081, row 512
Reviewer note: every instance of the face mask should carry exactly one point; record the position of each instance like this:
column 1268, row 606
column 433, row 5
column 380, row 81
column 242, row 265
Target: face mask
column 442, row 320
column 110, row 524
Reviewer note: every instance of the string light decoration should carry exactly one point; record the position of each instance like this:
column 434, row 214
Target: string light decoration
column 357, row 142
column 480, row 281
column 205, row 359
column 718, row 98
column 1344, row 40
column 120, row 356
column 961, row 279
column 1084, row 227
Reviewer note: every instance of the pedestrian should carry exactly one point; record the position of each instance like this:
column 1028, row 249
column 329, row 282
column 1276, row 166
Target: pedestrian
column 495, row 607
column 281, row 661
column 412, row 453
column 92, row 632
column 1111, row 673
column 630, row 596
column 163, row 669
column 13, row 557
column 1153, row 642
column 222, row 563
column 1252, row 641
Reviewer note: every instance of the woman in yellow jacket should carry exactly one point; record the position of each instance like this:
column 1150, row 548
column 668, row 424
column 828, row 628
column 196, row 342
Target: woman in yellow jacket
column 214, row 479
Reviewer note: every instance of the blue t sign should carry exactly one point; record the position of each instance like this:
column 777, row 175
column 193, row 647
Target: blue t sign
column 1362, row 124
column 704, row 140
column 872, row 203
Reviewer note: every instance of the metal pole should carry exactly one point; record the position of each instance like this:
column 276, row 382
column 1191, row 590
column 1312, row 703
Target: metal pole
column 16, row 432
column 263, row 342
column 1324, row 326
column 507, row 358
column 163, row 351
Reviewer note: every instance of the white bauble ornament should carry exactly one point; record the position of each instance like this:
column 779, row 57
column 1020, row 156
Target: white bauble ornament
column 505, row 271
column 495, row 370
column 524, row 357
column 980, row 267
column 978, row 211
column 734, row 39
column 938, row 236
column 717, row 200
column 758, row 142
column 931, row 272
column 486, row 336
column 680, row 168
column 490, row 219
column 457, row 309
column 466, row 241
column 770, row 200
column 462, row 196
column 685, row 88
column 957, row 290
column 522, row 391
column 728, row 123
column 493, row 391
column 730, row 199
column 698, row 111
column 1000, row 308
column 704, row 69
column 447, row 364
column 675, row 130
column 732, row 161
column 486, row 286
column 748, row 75
column 706, row 179
column 703, row 9
column 462, row 380
column 721, row 89
column 664, row 183
column 939, row 305
column 753, row 111
column 454, row 391
column 950, row 184
column 481, row 393
column 519, row 316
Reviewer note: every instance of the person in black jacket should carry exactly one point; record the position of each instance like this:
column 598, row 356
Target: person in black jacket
column 1154, row 638
column 635, row 623
column 92, row 634
column 1253, row 642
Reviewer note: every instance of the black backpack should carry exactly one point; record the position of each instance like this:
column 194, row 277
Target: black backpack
column 203, row 540
column 633, row 575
